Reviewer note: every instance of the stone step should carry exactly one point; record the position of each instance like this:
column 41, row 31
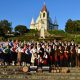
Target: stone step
column 43, row 76
column 15, row 73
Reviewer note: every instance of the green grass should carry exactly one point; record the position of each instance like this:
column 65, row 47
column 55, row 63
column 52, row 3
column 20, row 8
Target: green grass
column 34, row 35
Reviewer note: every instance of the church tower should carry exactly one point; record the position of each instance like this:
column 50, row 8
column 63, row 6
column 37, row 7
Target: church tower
column 43, row 18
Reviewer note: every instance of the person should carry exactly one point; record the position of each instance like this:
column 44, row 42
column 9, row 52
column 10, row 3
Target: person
column 45, row 58
column 23, row 54
column 72, row 56
column 78, row 54
column 56, row 56
column 66, row 56
column 19, row 55
column 28, row 55
column 76, row 48
column 60, row 56
column 14, row 53
column 7, row 54
column 39, row 61
column 1, row 53
column 49, row 53
column 33, row 51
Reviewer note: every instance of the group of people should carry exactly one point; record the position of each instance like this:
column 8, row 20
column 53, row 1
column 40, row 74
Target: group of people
column 45, row 53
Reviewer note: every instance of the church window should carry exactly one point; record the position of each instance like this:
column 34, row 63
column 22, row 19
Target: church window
column 43, row 15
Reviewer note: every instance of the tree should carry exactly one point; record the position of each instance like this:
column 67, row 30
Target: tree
column 1, row 31
column 5, row 26
column 69, row 26
column 77, row 25
column 72, row 26
column 21, row 29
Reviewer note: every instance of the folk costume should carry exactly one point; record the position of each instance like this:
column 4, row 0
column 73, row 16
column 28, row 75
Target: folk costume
column 7, row 54
column 14, row 53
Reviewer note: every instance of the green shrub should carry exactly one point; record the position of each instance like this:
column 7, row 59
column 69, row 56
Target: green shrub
column 56, row 32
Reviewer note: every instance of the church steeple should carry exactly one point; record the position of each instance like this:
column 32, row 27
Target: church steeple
column 32, row 25
column 44, row 7
column 55, row 24
column 32, row 21
column 55, row 21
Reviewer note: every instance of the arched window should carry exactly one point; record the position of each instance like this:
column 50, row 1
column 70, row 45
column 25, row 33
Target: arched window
column 43, row 15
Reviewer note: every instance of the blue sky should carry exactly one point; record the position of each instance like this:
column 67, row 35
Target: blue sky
column 22, row 11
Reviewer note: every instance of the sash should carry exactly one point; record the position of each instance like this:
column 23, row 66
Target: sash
column 24, row 49
column 14, row 49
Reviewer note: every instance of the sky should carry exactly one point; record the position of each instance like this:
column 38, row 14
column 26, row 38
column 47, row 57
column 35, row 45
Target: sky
column 20, row 12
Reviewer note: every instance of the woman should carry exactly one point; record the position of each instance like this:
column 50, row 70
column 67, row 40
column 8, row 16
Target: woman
column 7, row 54
column 33, row 51
column 14, row 53
column 56, row 56
column 60, row 56
column 66, row 56
column 45, row 58
column 23, row 54
column 73, row 56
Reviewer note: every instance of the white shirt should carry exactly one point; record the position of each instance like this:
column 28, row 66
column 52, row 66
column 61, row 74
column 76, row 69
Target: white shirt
column 78, row 51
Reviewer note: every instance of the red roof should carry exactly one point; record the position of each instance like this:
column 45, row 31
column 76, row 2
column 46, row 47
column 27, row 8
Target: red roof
column 44, row 8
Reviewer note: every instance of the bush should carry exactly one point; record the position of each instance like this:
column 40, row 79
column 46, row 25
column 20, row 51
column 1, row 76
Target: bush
column 57, row 32
column 33, row 31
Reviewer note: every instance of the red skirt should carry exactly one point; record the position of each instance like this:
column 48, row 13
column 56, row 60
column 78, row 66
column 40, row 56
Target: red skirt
column 50, row 58
column 56, row 58
column 45, row 62
column 66, row 56
column 61, row 57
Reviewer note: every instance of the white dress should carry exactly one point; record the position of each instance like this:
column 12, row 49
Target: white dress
column 32, row 57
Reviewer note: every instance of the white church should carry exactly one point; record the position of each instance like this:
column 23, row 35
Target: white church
column 44, row 20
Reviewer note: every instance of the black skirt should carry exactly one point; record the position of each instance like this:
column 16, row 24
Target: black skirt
column 14, row 56
column 23, row 57
column 7, row 57
column 2, row 56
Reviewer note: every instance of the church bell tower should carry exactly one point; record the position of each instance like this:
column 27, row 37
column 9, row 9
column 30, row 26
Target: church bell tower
column 44, row 16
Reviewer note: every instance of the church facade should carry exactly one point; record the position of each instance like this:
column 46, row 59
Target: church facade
column 44, row 20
